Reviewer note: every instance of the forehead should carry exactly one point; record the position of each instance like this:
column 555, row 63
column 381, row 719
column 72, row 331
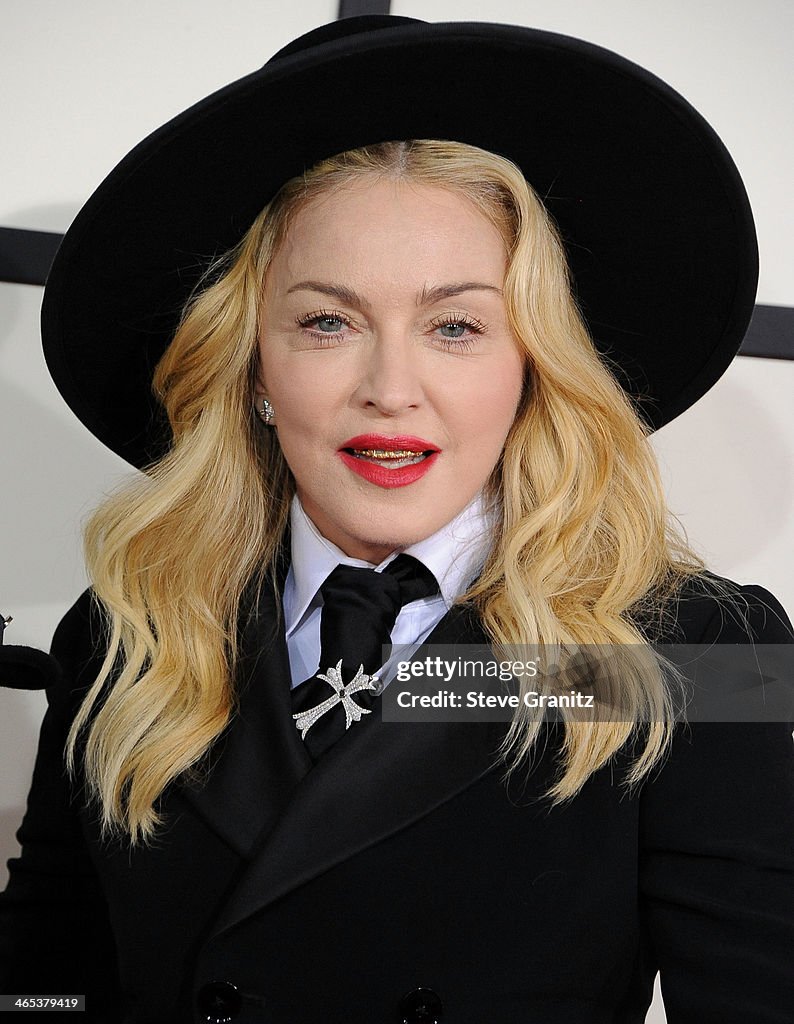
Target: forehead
column 385, row 226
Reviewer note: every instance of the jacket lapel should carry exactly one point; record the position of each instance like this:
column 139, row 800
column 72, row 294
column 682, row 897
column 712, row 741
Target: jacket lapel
column 260, row 758
column 291, row 821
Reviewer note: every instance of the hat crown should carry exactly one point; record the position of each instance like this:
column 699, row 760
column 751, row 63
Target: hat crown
column 340, row 29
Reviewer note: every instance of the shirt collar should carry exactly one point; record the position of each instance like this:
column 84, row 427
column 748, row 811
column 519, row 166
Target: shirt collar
column 455, row 554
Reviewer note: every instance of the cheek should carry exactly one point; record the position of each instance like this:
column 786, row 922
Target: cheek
column 508, row 386
column 301, row 395
column 477, row 434
column 486, row 404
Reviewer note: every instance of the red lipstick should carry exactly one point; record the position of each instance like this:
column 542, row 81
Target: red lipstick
column 371, row 456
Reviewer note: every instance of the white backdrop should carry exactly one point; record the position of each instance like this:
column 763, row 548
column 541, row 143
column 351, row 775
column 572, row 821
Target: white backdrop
column 82, row 82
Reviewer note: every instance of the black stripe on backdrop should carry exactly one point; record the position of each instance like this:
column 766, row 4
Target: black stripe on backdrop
column 351, row 8
column 25, row 258
column 771, row 333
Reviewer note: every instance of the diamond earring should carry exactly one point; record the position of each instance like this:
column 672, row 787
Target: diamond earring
column 267, row 412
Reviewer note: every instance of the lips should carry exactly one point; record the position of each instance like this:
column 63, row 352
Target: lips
column 389, row 461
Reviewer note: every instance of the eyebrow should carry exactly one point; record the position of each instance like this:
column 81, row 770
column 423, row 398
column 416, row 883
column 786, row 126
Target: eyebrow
column 425, row 298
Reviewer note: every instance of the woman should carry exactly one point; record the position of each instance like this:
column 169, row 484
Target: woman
column 388, row 371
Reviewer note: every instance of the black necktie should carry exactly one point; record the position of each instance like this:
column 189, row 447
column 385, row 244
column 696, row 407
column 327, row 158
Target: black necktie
column 360, row 607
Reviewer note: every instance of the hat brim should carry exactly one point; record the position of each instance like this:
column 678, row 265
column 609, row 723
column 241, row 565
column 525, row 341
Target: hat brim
column 651, row 208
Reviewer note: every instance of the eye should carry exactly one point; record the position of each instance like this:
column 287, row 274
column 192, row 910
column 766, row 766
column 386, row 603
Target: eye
column 458, row 322
column 456, row 325
column 329, row 325
column 326, row 323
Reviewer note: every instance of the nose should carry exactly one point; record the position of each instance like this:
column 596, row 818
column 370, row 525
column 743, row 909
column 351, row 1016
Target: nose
column 391, row 379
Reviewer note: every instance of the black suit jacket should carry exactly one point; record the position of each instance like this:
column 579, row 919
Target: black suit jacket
column 400, row 879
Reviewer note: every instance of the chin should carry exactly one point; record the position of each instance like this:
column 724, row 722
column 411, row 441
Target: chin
column 385, row 535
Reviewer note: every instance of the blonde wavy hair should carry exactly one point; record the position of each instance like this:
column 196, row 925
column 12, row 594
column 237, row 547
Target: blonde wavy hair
column 584, row 537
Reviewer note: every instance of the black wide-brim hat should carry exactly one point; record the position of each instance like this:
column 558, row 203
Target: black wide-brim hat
column 652, row 211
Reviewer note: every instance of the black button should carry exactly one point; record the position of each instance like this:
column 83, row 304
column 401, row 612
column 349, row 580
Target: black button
column 219, row 1001
column 422, row 1006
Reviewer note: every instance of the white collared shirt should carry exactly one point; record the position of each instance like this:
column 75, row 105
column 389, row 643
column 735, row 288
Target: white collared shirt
column 455, row 554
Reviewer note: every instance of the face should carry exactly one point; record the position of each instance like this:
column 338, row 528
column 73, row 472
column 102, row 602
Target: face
column 386, row 354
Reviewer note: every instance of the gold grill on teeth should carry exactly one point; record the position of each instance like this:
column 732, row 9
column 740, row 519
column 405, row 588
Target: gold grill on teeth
column 381, row 453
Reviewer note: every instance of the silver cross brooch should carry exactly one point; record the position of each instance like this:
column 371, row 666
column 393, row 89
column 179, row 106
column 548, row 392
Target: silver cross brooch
column 304, row 720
